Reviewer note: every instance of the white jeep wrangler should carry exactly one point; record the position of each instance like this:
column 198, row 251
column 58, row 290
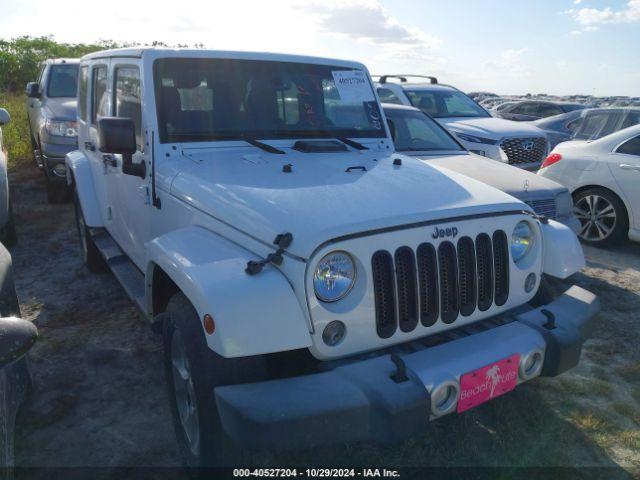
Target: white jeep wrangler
column 312, row 286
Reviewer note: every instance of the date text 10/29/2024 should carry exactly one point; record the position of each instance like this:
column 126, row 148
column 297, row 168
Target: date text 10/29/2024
column 315, row 473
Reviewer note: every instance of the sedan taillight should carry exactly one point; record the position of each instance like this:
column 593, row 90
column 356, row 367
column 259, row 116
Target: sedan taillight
column 551, row 159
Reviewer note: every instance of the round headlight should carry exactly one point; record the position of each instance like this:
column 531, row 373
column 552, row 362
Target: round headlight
column 521, row 240
column 334, row 276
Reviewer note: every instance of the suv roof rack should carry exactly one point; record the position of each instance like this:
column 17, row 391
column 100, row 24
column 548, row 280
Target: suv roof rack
column 403, row 78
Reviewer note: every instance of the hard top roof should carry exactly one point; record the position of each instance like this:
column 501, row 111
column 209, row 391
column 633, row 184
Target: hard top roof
column 162, row 52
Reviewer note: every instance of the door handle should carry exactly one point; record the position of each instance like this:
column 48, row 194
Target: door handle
column 109, row 160
column 89, row 146
column 626, row 166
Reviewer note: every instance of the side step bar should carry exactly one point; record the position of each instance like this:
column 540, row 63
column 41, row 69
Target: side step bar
column 125, row 271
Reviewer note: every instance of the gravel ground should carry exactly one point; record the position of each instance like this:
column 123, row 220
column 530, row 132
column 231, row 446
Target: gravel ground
column 99, row 397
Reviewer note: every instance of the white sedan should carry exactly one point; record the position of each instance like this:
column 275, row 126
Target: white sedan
column 604, row 179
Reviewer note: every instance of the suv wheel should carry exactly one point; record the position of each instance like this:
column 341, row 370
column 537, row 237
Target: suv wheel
column 602, row 215
column 193, row 371
column 90, row 254
column 57, row 192
column 8, row 234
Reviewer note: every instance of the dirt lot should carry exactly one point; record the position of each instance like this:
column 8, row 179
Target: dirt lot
column 99, row 396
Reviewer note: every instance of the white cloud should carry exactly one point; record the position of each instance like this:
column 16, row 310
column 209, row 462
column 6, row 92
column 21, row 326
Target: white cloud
column 511, row 63
column 590, row 16
column 577, row 2
column 368, row 20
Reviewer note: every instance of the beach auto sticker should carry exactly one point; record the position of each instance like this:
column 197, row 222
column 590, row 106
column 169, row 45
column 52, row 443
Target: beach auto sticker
column 353, row 86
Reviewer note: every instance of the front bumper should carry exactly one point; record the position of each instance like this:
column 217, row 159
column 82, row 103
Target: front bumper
column 359, row 401
column 52, row 154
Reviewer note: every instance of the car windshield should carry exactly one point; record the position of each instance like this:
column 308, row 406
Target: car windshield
column 63, row 81
column 413, row 131
column 224, row 99
column 445, row 103
column 600, row 123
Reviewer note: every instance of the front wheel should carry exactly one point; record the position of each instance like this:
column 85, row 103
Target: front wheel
column 90, row 254
column 57, row 192
column 193, row 371
column 8, row 235
column 602, row 215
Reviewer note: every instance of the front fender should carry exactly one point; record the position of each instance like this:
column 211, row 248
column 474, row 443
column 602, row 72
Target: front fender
column 563, row 255
column 253, row 314
column 79, row 171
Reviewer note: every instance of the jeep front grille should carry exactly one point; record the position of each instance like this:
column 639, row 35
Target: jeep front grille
column 524, row 150
column 545, row 207
column 446, row 282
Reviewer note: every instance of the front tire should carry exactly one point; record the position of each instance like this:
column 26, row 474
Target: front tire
column 193, row 371
column 8, row 234
column 91, row 256
column 57, row 192
column 602, row 215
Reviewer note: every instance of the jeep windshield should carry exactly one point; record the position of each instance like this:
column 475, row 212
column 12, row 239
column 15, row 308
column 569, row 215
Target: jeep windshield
column 230, row 99
column 63, row 81
column 445, row 103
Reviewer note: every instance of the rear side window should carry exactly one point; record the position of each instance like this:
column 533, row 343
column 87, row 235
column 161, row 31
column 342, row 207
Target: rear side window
column 82, row 92
column 128, row 98
column 548, row 110
column 99, row 99
column 387, row 96
column 630, row 147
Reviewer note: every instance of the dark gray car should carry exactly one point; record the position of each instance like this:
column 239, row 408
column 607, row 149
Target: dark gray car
column 588, row 124
column 529, row 110
column 418, row 135
column 52, row 110
column 16, row 337
column 560, row 128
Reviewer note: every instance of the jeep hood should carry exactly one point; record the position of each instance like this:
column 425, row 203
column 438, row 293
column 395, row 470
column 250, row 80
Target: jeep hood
column 60, row 108
column 320, row 200
column 490, row 127
column 504, row 177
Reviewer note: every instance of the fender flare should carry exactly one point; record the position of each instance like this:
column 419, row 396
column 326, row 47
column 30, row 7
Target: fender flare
column 79, row 172
column 253, row 314
column 561, row 262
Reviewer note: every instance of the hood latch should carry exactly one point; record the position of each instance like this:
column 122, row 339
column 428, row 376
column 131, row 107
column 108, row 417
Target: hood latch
column 282, row 241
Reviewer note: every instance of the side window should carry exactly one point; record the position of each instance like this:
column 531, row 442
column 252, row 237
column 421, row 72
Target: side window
column 527, row 108
column 128, row 98
column 82, row 92
column 548, row 110
column 99, row 99
column 387, row 96
column 630, row 147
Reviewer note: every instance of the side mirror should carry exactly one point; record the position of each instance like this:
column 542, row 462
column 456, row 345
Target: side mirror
column 33, row 90
column 118, row 135
column 4, row 117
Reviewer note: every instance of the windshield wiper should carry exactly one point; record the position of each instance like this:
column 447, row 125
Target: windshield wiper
column 264, row 146
column 352, row 143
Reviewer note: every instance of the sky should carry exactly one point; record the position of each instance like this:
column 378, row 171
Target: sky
column 506, row 46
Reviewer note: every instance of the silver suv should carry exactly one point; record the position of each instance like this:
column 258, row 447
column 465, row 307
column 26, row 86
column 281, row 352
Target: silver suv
column 51, row 108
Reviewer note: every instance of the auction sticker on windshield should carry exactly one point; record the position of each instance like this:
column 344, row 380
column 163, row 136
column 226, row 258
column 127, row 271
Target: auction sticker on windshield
column 353, row 85
column 488, row 382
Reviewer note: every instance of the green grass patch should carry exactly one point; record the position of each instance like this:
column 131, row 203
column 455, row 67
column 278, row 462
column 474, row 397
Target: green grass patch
column 15, row 135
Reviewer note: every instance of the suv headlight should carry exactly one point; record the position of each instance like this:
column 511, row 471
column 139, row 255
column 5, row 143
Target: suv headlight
column 60, row 128
column 521, row 240
column 564, row 204
column 334, row 276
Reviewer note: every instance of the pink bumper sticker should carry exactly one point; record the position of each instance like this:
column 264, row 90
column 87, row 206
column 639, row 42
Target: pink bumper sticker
column 488, row 382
